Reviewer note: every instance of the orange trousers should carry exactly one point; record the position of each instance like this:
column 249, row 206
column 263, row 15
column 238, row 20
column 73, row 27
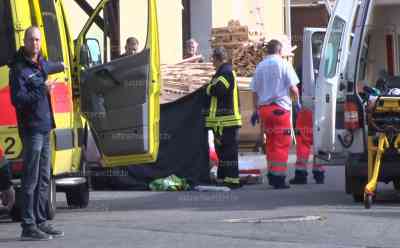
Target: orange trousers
column 276, row 123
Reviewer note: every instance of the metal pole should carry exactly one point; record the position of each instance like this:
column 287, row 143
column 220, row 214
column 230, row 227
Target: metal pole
column 288, row 27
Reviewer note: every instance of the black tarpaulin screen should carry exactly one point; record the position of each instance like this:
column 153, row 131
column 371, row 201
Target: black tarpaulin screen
column 183, row 148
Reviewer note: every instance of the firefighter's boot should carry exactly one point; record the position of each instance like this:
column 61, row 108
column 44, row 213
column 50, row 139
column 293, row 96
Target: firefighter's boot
column 319, row 177
column 300, row 177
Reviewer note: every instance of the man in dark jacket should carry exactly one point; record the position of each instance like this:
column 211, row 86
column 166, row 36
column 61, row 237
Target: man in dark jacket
column 223, row 117
column 30, row 96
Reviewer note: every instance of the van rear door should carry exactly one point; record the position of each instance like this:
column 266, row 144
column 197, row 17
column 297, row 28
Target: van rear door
column 119, row 97
column 313, row 39
column 331, row 72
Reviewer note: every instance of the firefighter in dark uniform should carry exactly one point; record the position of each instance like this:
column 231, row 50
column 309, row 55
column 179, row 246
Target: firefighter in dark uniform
column 223, row 117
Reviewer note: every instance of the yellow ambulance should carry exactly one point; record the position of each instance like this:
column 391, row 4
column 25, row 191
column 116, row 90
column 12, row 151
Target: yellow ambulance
column 114, row 97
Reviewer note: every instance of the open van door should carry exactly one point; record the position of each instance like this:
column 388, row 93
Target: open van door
column 334, row 57
column 313, row 39
column 119, row 97
column 357, row 60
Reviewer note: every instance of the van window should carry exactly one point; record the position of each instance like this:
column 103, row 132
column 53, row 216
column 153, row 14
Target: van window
column 7, row 42
column 333, row 48
column 53, row 40
column 317, row 41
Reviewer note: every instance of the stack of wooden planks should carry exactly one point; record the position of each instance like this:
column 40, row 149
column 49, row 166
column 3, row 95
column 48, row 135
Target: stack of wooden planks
column 233, row 36
column 246, row 48
column 182, row 79
column 246, row 58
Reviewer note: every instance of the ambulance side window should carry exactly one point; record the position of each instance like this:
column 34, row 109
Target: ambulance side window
column 7, row 41
column 53, row 40
column 332, row 52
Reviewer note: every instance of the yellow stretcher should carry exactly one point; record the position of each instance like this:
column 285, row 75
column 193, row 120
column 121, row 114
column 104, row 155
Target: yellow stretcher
column 383, row 133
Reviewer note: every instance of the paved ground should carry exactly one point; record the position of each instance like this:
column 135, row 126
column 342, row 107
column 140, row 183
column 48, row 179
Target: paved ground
column 267, row 218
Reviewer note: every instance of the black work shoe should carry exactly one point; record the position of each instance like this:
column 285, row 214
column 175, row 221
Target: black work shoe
column 49, row 229
column 278, row 182
column 281, row 186
column 300, row 177
column 319, row 177
column 298, row 180
column 34, row 234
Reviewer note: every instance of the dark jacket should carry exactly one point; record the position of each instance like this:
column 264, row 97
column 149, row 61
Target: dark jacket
column 29, row 94
column 222, row 105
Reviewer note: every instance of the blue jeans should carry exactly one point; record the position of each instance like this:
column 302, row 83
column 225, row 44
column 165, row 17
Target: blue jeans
column 35, row 178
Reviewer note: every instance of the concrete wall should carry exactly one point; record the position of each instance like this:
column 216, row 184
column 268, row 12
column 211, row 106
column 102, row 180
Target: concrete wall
column 134, row 23
column 385, row 20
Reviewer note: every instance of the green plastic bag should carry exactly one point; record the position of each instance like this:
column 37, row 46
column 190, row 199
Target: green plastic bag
column 171, row 183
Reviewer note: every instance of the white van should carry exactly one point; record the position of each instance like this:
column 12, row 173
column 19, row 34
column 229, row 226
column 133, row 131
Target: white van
column 362, row 41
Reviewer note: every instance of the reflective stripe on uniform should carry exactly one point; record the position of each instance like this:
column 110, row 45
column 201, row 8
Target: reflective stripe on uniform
column 301, row 164
column 223, row 80
column 208, row 90
column 231, row 180
column 219, row 122
column 278, row 168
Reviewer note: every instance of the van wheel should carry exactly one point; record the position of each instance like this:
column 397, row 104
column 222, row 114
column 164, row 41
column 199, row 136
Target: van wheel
column 78, row 196
column 51, row 205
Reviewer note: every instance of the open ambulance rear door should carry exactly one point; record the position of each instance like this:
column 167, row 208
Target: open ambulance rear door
column 119, row 98
column 334, row 57
column 313, row 39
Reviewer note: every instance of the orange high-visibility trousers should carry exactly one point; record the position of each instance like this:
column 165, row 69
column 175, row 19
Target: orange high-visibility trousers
column 304, row 140
column 276, row 123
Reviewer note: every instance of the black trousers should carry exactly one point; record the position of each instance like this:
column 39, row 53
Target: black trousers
column 226, row 147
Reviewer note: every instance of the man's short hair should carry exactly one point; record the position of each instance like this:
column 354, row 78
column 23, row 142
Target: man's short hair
column 30, row 30
column 132, row 40
column 274, row 47
column 220, row 54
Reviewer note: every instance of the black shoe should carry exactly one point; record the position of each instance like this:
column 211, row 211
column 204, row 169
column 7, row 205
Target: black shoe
column 319, row 177
column 300, row 177
column 281, row 186
column 49, row 229
column 34, row 234
column 278, row 182
column 298, row 180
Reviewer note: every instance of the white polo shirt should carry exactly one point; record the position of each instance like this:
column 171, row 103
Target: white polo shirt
column 271, row 81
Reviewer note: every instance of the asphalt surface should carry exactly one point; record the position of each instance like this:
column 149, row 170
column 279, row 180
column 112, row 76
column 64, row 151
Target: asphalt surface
column 308, row 216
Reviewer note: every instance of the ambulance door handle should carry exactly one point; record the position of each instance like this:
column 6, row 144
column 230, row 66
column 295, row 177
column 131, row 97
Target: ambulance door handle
column 327, row 98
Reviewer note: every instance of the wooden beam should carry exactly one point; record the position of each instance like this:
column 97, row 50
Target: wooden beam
column 87, row 8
